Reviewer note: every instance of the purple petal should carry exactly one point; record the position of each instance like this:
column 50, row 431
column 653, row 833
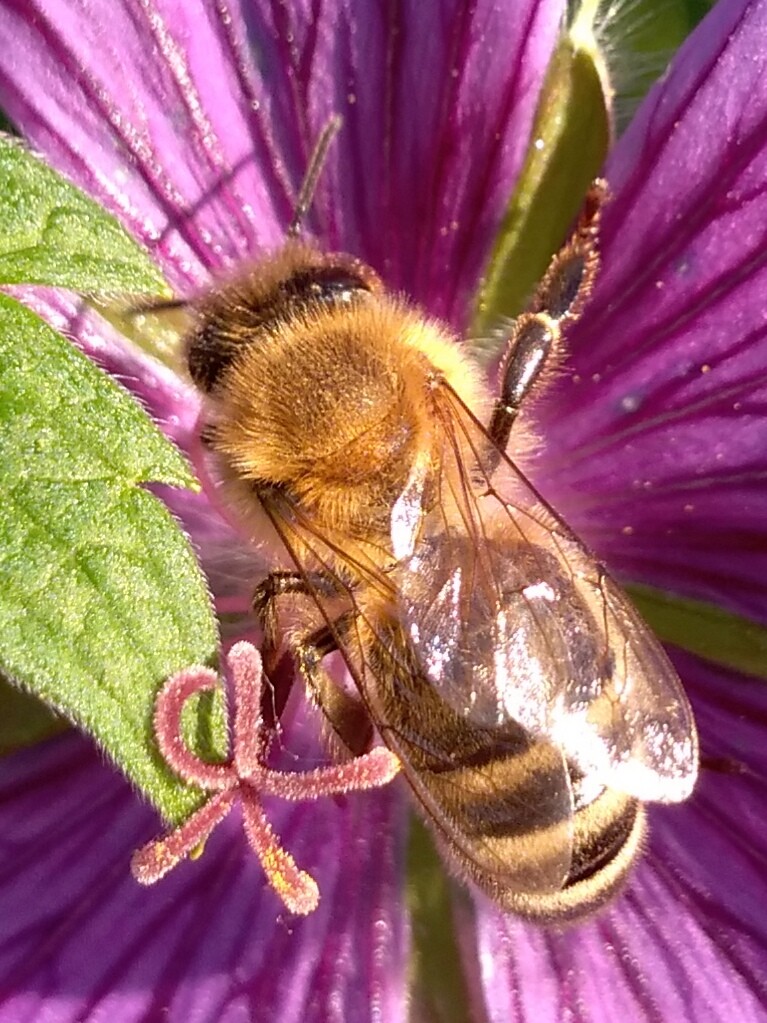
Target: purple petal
column 167, row 143
column 688, row 940
column 81, row 939
column 201, row 149
column 656, row 449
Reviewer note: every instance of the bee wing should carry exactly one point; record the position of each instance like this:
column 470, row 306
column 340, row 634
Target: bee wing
column 500, row 800
column 511, row 618
column 634, row 727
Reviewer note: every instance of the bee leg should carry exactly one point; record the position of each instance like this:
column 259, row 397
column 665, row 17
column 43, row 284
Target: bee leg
column 532, row 341
column 558, row 301
column 277, row 669
column 269, row 591
column 346, row 715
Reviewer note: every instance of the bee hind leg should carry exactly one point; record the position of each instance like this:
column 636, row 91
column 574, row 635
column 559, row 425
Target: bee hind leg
column 557, row 302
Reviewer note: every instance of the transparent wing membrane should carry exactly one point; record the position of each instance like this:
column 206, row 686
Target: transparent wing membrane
column 511, row 618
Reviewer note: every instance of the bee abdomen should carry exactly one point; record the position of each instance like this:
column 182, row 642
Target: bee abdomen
column 514, row 828
column 510, row 809
column 608, row 836
column 603, row 829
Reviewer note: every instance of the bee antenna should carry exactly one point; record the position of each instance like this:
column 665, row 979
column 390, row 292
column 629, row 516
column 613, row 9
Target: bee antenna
column 316, row 162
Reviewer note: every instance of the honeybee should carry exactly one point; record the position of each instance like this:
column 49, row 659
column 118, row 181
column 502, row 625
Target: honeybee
column 531, row 709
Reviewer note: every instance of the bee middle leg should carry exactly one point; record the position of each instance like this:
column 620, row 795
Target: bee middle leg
column 558, row 301
column 281, row 584
column 277, row 667
column 346, row 715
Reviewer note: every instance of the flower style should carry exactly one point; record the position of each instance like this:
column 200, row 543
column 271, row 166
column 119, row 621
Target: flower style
column 246, row 777
column 192, row 121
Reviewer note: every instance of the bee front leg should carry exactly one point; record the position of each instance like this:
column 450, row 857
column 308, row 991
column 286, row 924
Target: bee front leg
column 557, row 302
column 346, row 715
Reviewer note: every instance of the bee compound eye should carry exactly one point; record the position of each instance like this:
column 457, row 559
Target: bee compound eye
column 331, row 284
column 208, row 354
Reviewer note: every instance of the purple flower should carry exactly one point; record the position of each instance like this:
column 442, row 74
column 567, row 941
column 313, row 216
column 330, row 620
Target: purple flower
column 193, row 121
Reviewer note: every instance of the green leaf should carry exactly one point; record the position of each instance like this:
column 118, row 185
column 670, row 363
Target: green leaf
column 438, row 991
column 570, row 139
column 101, row 597
column 53, row 234
column 639, row 39
column 704, row 629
